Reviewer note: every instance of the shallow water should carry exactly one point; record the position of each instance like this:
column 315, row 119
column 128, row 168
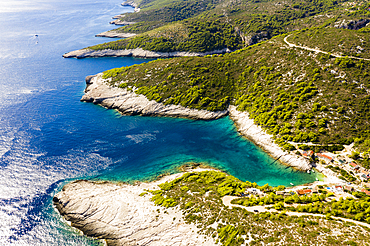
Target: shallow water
column 48, row 137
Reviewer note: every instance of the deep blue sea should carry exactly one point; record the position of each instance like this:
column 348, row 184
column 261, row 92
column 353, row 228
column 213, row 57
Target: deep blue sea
column 48, row 137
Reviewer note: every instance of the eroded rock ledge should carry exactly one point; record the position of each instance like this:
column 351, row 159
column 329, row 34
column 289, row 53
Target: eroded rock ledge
column 138, row 52
column 130, row 103
column 118, row 214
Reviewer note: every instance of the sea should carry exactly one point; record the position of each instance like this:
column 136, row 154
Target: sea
column 49, row 138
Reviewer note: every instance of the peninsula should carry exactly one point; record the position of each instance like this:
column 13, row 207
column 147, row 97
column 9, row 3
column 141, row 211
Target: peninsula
column 195, row 209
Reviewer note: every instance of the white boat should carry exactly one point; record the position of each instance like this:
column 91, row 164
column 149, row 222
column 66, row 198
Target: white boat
column 291, row 184
column 317, row 179
column 308, row 171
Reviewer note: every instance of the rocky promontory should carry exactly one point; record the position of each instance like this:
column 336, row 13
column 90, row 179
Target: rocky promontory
column 138, row 52
column 122, row 215
column 130, row 103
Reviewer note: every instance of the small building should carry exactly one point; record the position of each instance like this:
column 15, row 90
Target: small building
column 354, row 166
column 348, row 188
column 304, row 192
column 366, row 192
column 364, row 177
column 342, row 161
column 324, row 157
column 337, row 189
column 315, row 189
column 308, row 154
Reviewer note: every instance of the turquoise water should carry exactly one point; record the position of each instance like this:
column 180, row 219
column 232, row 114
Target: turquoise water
column 48, row 137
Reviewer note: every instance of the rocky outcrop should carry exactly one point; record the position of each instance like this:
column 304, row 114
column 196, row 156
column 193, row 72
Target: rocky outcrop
column 138, row 52
column 119, row 22
column 114, row 34
column 256, row 38
column 256, row 134
column 352, row 24
column 130, row 103
column 118, row 214
column 132, row 4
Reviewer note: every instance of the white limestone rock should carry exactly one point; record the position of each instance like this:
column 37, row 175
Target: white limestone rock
column 256, row 134
column 118, row 214
column 130, row 103
column 138, row 52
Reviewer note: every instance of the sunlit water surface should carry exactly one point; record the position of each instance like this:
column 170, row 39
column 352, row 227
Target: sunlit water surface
column 48, row 137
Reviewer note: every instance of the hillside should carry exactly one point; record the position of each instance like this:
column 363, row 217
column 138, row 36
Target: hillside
column 225, row 24
column 295, row 94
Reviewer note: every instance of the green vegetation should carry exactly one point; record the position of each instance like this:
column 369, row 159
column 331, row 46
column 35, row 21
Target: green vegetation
column 295, row 95
column 213, row 25
column 318, row 148
column 344, row 174
column 199, row 194
column 292, row 93
column 343, row 42
column 192, row 36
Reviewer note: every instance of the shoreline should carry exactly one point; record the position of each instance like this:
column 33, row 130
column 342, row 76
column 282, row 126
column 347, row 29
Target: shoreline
column 114, row 34
column 129, row 103
column 119, row 214
column 137, row 52
column 258, row 136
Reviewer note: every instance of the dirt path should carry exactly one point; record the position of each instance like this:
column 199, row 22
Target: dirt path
column 226, row 200
column 319, row 51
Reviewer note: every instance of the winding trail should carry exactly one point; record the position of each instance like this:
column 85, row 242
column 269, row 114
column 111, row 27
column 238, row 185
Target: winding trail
column 320, row 51
column 226, row 200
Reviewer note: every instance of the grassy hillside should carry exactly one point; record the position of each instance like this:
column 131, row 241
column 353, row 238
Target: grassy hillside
column 241, row 22
column 336, row 41
column 193, row 36
column 296, row 95
column 199, row 195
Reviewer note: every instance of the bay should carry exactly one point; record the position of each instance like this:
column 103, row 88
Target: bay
column 48, row 137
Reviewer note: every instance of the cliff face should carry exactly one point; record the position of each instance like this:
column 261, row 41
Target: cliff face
column 118, row 214
column 127, row 102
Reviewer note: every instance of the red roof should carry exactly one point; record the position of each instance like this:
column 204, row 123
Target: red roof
column 366, row 192
column 324, row 156
column 353, row 164
column 302, row 192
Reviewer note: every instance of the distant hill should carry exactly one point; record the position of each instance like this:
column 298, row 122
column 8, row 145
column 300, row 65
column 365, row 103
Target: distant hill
column 191, row 25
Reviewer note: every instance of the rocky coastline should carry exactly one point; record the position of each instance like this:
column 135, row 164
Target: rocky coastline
column 114, row 34
column 121, row 215
column 138, row 52
column 256, row 134
column 127, row 102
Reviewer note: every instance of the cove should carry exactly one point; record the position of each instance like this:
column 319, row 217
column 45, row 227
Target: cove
column 48, row 137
